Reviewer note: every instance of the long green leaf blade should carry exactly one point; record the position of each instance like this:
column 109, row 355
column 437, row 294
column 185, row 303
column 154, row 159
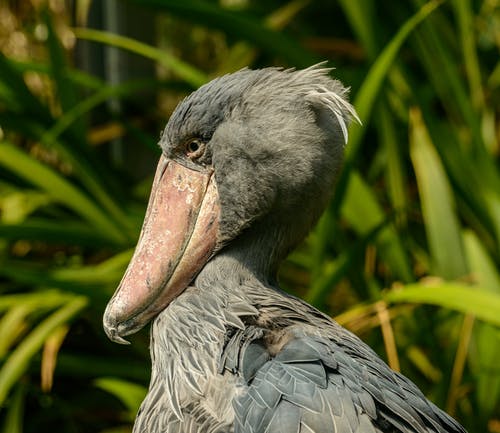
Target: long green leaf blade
column 129, row 393
column 367, row 95
column 74, row 233
column 19, row 360
column 360, row 15
column 23, row 99
column 454, row 296
column 185, row 71
column 13, row 422
column 364, row 213
column 56, row 186
column 438, row 206
column 238, row 24
column 65, row 88
column 485, row 350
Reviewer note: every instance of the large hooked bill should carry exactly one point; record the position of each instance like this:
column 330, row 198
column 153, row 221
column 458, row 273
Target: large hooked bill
column 178, row 237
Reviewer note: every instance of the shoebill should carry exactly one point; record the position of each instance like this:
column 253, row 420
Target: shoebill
column 248, row 164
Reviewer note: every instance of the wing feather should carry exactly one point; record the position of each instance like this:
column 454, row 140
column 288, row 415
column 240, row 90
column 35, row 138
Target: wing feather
column 286, row 419
column 323, row 385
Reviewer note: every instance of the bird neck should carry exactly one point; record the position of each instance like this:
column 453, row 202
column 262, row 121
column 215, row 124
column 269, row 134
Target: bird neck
column 252, row 257
column 260, row 248
column 232, row 269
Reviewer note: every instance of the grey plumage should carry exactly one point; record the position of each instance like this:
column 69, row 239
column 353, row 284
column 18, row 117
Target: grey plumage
column 232, row 353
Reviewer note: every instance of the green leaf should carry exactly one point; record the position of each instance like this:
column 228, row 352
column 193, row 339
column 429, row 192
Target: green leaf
column 46, row 299
column 334, row 271
column 239, row 25
column 49, row 231
column 396, row 178
column 185, row 71
column 364, row 213
column 465, row 19
column 57, row 187
column 243, row 54
column 20, row 96
column 89, row 280
column 483, row 268
column 18, row 361
column 438, row 206
column 66, row 91
column 75, row 75
column 15, row 412
column 485, row 347
column 360, row 14
column 11, row 326
column 82, row 169
column 17, row 205
column 367, row 95
column 421, row 360
column 454, row 296
column 443, row 71
column 130, row 394
column 471, row 182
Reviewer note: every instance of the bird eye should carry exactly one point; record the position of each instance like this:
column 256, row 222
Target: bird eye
column 195, row 148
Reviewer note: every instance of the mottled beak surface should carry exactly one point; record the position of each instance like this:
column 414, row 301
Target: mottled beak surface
column 177, row 239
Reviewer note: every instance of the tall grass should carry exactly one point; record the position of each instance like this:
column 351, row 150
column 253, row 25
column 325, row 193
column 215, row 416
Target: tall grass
column 406, row 254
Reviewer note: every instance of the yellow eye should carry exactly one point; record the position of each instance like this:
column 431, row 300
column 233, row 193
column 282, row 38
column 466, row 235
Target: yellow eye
column 195, row 148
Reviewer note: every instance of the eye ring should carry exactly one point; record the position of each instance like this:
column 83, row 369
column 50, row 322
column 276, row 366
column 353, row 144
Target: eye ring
column 194, row 148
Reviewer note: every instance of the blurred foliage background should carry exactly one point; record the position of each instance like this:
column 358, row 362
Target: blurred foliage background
column 407, row 254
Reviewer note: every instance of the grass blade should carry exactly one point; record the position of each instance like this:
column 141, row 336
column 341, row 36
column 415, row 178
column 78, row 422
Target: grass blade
column 74, row 233
column 243, row 53
column 485, row 350
column 83, row 170
column 75, row 75
column 364, row 213
column 11, row 326
column 185, row 71
column 465, row 17
column 443, row 71
column 48, row 299
column 454, row 296
column 471, row 182
column 15, row 412
column 335, row 271
column 130, row 394
column 18, row 361
column 367, row 95
column 23, row 99
column 396, row 178
column 60, row 189
column 92, row 280
column 360, row 13
column 239, row 25
column 66, row 91
column 437, row 201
